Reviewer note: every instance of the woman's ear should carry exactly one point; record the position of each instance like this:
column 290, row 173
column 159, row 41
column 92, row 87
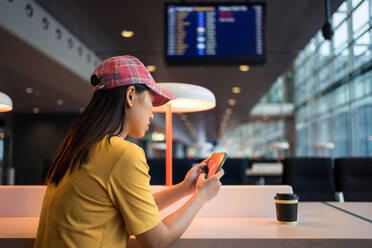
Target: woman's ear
column 129, row 96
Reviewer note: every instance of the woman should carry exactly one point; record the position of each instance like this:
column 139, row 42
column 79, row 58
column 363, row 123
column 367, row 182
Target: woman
column 98, row 184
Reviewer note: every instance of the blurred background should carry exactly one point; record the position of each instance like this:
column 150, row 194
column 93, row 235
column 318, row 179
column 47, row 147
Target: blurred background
column 306, row 92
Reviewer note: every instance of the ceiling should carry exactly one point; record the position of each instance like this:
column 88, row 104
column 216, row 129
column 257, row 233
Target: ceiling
column 289, row 26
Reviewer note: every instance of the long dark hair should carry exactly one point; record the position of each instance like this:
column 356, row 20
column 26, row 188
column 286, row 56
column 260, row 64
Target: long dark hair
column 104, row 115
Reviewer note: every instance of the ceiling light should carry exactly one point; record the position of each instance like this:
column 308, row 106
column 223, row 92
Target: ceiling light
column 151, row 68
column 232, row 102
column 244, row 68
column 36, row 110
column 29, row 90
column 6, row 103
column 157, row 136
column 127, row 33
column 60, row 102
column 236, row 90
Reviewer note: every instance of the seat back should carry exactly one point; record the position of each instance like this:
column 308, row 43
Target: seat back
column 234, row 171
column 179, row 169
column 311, row 178
column 157, row 171
column 353, row 177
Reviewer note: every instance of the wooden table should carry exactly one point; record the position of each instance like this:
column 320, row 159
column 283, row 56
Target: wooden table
column 319, row 225
column 359, row 210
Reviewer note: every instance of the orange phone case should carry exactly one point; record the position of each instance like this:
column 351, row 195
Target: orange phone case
column 215, row 163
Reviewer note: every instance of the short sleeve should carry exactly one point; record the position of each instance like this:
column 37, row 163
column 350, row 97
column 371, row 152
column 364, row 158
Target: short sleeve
column 129, row 189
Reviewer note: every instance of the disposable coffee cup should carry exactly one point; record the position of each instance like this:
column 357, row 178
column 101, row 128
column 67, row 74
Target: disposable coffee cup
column 286, row 208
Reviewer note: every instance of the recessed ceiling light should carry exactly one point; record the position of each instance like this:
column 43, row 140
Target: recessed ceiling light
column 60, row 102
column 236, row 90
column 151, row 68
column 228, row 111
column 29, row 90
column 244, row 68
column 35, row 110
column 232, row 102
column 127, row 33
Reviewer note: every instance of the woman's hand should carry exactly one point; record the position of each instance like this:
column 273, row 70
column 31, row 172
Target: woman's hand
column 206, row 189
column 192, row 176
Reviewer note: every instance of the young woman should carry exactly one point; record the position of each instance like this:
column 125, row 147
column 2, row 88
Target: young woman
column 98, row 185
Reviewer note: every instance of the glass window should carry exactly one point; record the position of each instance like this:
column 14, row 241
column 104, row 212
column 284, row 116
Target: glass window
column 341, row 133
column 360, row 16
column 323, row 78
column 368, row 83
column 355, row 3
column 301, row 140
column 362, row 127
column 340, row 37
column 324, row 103
column 313, row 138
column 344, row 115
column 341, row 95
column 357, row 87
column 340, row 64
column 325, row 132
column 339, row 15
column 324, row 50
column 362, row 49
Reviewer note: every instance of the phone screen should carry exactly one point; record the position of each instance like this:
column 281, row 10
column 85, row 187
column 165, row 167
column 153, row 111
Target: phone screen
column 215, row 163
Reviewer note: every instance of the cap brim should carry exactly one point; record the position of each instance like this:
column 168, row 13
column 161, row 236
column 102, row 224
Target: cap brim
column 161, row 96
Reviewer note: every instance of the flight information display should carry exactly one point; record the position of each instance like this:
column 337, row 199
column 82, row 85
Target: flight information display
column 215, row 33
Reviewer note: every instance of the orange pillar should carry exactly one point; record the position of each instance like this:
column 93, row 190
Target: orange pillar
column 168, row 141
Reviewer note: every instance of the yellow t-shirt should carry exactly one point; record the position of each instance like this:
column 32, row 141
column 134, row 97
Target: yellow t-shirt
column 102, row 203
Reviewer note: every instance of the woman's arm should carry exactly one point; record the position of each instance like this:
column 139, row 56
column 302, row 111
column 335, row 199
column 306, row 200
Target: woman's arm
column 173, row 226
column 171, row 194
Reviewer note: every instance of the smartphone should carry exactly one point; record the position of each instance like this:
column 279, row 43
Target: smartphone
column 215, row 163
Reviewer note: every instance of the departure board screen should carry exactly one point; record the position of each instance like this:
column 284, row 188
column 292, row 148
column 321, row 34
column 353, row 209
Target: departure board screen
column 215, row 33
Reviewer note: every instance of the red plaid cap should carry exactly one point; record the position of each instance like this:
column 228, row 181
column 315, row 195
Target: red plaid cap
column 126, row 70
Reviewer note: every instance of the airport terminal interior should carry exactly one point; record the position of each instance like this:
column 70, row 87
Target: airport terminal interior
column 289, row 80
column 277, row 93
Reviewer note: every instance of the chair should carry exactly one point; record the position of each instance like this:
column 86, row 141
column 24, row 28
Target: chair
column 353, row 177
column 157, row 170
column 234, row 171
column 311, row 178
column 180, row 167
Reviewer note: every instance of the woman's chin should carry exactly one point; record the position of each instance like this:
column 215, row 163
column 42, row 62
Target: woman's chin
column 138, row 135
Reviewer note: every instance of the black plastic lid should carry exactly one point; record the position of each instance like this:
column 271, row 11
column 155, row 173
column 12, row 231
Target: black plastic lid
column 280, row 196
